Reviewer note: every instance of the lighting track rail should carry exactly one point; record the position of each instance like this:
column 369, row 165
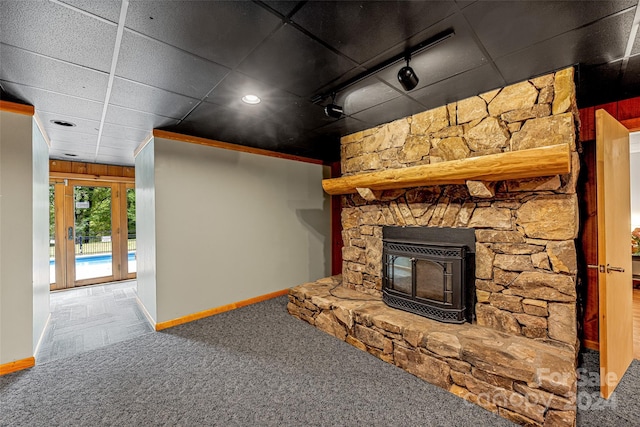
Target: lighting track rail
column 428, row 43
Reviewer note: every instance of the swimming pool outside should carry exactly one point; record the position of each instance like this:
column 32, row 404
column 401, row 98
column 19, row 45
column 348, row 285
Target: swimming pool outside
column 89, row 266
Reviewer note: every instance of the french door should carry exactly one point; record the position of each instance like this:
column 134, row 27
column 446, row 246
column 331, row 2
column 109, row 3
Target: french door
column 91, row 242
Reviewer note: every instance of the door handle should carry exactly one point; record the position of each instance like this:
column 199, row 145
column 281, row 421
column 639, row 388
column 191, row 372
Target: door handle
column 600, row 268
column 618, row 269
column 70, row 233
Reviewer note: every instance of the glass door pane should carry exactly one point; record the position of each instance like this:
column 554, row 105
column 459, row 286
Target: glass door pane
column 401, row 275
column 131, row 225
column 432, row 282
column 93, row 251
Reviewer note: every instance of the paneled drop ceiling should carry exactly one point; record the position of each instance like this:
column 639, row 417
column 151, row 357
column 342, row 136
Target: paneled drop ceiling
column 118, row 69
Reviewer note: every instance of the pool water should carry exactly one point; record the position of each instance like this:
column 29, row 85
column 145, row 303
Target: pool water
column 89, row 266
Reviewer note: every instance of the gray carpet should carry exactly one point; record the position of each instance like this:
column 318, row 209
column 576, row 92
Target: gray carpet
column 621, row 409
column 252, row 366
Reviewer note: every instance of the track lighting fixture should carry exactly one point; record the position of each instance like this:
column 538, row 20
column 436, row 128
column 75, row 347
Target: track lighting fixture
column 407, row 77
column 333, row 110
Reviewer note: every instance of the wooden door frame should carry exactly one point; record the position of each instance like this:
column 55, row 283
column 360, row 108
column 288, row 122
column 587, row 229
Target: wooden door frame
column 128, row 186
column 65, row 176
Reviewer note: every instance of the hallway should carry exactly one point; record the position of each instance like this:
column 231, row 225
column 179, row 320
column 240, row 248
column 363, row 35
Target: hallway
column 91, row 317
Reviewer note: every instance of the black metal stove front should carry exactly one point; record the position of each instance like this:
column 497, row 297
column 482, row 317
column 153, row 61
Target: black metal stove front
column 430, row 271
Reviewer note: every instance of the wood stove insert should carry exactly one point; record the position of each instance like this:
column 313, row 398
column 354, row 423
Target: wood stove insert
column 429, row 271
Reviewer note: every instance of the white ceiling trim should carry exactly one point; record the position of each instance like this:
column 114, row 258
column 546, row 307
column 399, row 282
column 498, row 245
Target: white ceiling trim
column 112, row 72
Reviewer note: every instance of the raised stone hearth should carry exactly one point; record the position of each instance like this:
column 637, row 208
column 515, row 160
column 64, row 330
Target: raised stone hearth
column 526, row 381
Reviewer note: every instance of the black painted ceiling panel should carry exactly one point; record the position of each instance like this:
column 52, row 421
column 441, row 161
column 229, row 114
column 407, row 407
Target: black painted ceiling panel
column 630, row 81
column 221, row 31
column 284, row 7
column 294, row 62
column 211, row 120
column 29, row 69
column 464, row 3
column 362, row 29
column 594, row 44
column 508, row 26
column 366, row 93
column 185, row 65
column 303, row 114
column 598, row 82
column 464, row 85
column 452, row 56
column 343, row 126
column 53, row 30
column 389, row 111
column 230, row 91
column 153, row 63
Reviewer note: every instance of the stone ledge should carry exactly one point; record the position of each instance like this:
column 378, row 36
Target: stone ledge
column 503, row 373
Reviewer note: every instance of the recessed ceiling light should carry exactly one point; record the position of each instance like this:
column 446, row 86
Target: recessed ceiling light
column 63, row 123
column 251, row 99
column 70, row 155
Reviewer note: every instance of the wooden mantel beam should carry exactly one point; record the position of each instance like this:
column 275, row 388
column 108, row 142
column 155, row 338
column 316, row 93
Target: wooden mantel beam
column 531, row 163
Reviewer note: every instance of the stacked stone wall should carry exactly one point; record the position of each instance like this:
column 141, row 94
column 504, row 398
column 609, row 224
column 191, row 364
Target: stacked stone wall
column 526, row 262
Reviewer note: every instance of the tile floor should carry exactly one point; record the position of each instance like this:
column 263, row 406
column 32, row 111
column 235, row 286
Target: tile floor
column 90, row 317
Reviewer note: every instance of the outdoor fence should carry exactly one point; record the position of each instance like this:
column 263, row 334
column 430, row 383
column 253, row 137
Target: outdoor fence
column 93, row 245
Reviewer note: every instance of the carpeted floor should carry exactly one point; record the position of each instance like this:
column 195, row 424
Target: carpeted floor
column 621, row 409
column 252, row 366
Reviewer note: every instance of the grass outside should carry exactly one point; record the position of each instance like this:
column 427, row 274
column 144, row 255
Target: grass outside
column 94, row 248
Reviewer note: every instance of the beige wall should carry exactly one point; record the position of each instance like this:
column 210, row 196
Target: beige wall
column 23, row 303
column 231, row 226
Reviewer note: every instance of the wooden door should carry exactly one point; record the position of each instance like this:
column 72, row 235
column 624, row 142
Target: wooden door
column 72, row 245
column 614, row 251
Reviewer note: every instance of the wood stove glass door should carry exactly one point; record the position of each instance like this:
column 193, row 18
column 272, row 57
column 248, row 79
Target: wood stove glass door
column 433, row 281
column 400, row 274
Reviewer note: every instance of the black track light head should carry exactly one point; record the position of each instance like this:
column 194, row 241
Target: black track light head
column 333, row 110
column 407, row 77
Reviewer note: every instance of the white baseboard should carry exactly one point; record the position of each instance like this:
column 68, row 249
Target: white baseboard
column 44, row 331
column 146, row 313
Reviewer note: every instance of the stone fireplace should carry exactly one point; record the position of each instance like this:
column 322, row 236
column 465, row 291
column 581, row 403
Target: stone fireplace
column 517, row 357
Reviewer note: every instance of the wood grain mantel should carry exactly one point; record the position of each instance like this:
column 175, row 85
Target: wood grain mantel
column 531, row 163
